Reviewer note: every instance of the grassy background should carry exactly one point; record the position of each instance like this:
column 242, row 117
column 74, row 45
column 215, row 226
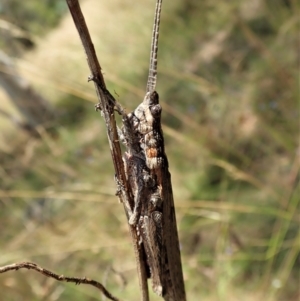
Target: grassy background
column 228, row 84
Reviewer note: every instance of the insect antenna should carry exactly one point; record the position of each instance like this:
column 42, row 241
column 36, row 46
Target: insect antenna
column 151, row 83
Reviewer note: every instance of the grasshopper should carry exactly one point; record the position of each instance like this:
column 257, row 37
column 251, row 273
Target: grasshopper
column 146, row 167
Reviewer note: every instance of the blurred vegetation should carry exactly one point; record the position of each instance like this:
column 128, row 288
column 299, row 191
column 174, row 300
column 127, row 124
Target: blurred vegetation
column 34, row 16
column 229, row 86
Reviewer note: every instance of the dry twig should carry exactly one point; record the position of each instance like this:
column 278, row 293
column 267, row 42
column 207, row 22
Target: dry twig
column 62, row 278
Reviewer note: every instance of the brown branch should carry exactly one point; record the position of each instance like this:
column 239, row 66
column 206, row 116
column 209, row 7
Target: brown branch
column 107, row 107
column 62, row 278
column 107, row 110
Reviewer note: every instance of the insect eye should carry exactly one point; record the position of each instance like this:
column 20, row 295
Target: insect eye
column 155, row 110
column 154, row 98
